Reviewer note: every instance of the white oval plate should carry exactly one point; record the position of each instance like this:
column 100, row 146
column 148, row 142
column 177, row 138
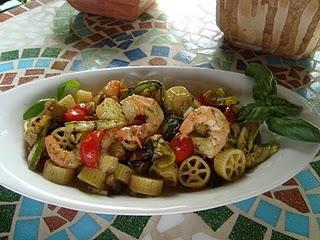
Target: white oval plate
column 15, row 175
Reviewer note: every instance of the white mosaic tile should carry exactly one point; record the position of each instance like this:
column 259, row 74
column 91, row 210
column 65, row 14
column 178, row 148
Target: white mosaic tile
column 169, row 221
column 202, row 236
column 147, row 237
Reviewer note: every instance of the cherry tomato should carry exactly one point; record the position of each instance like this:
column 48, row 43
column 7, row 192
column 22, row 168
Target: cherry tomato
column 77, row 113
column 182, row 147
column 202, row 100
column 229, row 114
column 90, row 149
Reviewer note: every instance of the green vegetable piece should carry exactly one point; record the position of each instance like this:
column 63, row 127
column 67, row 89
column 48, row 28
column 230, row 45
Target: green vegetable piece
column 260, row 154
column 171, row 127
column 37, row 150
column 253, row 130
column 35, row 109
column 265, row 84
column 294, row 128
column 65, row 88
column 243, row 139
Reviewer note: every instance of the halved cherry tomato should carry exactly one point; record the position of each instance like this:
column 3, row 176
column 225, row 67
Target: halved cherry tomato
column 77, row 113
column 229, row 114
column 202, row 100
column 90, row 149
column 182, row 147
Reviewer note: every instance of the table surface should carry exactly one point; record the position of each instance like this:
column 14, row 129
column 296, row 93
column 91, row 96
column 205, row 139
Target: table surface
column 45, row 38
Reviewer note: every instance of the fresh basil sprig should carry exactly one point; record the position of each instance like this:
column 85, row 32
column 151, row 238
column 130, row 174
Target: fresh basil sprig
column 65, row 88
column 276, row 111
column 35, row 109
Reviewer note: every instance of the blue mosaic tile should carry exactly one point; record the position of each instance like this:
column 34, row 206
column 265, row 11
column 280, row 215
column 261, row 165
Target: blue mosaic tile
column 305, row 92
column 62, row 235
column 305, row 63
column 107, row 217
column 121, row 36
column 245, row 205
column 135, row 54
column 240, row 65
column 30, row 207
column 289, row 62
column 297, row 223
column 268, row 213
column 273, row 60
column 118, row 63
column 315, row 86
column 85, row 228
column 314, row 200
column 204, row 65
column 307, row 180
column 26, row 229
column 104, row 42
column 138, row 33
column 185, row 56
column 83, row 32
column 6, row 67
column 125, row 45
column 43, row 63
column 76, row 66
column 160, row 51
column 25, row 64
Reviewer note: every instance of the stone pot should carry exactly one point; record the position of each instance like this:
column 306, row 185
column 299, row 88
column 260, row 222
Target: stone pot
column 289, row 28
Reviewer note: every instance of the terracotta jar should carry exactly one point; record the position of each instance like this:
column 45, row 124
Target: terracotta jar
column 289, row 28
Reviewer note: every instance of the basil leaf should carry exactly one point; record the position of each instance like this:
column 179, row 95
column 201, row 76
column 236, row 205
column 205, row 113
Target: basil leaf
column 64, row 88
column 294, row 128
column 35, row 109
column 256, row 112
column 282, row 107
column 171, row 127
column 265, row 84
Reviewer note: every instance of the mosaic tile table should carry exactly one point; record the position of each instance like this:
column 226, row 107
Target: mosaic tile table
column 45, row 38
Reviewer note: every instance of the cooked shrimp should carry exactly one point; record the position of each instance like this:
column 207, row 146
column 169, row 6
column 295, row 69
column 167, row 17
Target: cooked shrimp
column 63, row 158
column 217, row 130
column 114, row 88
column 137, row 106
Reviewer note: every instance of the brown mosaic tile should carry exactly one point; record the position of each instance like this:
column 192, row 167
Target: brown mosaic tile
column 299, row 69
column 281, row 76
column 157, row 61
column 127, row 27
column 277, row 69
column 69, row 54
column 26, row 79
column 292, row 198
column 294, row 83
column 68, row 214
column 17, row 10
column 51, row 75
column 54, row 222
column 105, row 18
column 51, row 207
column 96, row 37
column 293, row 73
column 254, row 61
column 6, row 88
column 284, row 83
column 81, row 45
column 34, row 72
column 8, row 78
column 268, row 194
column 145, row 25
column 306, row 79
column 90, row 22
column 104, row 22
column 4, row 17
column 110, row 31
column 161, row 25
column 290, row 182
column 32, row 5
column 1, row 75
column 98, row 28
column 59, row 65
column 247, row 54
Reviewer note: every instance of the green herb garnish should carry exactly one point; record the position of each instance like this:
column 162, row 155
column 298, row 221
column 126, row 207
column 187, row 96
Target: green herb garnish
column 65, row 88
column 35, row 109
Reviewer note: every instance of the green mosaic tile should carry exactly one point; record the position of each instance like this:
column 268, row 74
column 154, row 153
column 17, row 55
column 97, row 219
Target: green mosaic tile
column 70, row 38
column 132, row 225
column 30, row 53
column 87, row 55
column 246, row 229
column 162, row 17
column 316, row 167
column 51, row 52
column 215, row 217
column 10, row 55
column 215, row 61
column 227, row 65
column 8, row 196
column 107, row 235
column 145, row 17
column 228, row 55
column 6, row 213
column 280, row 236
